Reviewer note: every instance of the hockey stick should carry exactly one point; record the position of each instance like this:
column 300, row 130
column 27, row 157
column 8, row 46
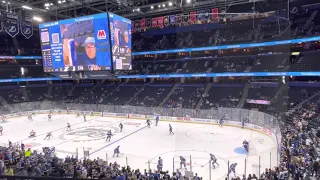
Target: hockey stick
column 204, row 164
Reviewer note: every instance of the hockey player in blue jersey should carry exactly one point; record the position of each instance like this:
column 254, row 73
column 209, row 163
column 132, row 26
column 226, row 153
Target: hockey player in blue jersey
column 245, row 145
column 116, row 151
column 170, row 129
column 233, row 169
column 183, row 162
column 109, row 134
column 157, row 120
column 160, row 164
column 148, row 123
column 121, row 127
column 213, row 160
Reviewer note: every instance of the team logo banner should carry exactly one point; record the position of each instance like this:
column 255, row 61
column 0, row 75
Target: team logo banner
column 26, row 29
column 166, row 20
column 148, row 22
column 160, row 21
column 193, row 16
column 11, row 27
column 142, row 23
column 215, row 13
column 178, row 16
column 136, row 24
column 172, row 19
column 154, row 22
column 206, row 14
column 185, row 17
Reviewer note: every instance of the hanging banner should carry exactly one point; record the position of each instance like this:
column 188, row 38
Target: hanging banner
column 206, row 15
column 148, row 22
column 172, row 19
column 160, row 21
column 11, row 25
column 178, row 16
column 136, row 24
column 26, row 29
column 215, row 13
column 154, row 22
column 142, row 23
column 200, row 15
column 166, row 21
column 185, row 17
column 193, row 16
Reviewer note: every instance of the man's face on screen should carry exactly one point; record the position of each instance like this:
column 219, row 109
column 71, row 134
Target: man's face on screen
column 126, row 38
column 91, row 50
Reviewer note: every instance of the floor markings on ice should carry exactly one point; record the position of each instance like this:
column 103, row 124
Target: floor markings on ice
column 118, row 140
column 56, row 129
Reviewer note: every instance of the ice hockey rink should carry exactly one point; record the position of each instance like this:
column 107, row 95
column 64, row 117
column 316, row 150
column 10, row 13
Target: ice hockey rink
column 141, row 146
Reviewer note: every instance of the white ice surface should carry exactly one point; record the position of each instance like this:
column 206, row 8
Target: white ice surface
column 140, row 144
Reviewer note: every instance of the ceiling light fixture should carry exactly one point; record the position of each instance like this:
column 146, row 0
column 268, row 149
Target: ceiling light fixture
column 170, row 3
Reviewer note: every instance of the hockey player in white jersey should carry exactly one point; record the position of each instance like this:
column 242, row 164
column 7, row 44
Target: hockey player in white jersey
column 116, row 151
column 32, row 134
column 49, row 117
column 183, row 162
column 48, row 136
column 30, row 117
column 121, row 127
column 148, row 123
column 109, row 134
column 160, row 164
column 84, row 117
column 78, row 113
column 68, row 127
column 3, row 118
column 213, row 160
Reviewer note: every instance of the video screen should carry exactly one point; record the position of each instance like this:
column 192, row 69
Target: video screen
column 79, row 44
column 120, row 29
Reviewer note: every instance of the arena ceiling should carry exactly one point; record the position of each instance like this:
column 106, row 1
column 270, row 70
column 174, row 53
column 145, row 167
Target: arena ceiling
column 62, row 9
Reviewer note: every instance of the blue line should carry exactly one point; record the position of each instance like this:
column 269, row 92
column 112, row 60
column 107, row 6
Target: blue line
column 116, row 141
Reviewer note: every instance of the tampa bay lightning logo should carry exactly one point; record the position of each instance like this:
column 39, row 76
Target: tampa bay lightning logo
column 12, row 29
column 27, row 31
column 90, row 132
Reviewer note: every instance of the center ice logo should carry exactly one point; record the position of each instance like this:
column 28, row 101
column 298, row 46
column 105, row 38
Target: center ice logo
column 89, row 133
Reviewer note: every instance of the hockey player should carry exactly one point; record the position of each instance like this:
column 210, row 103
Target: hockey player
column 68, row 127
column 78, row 113
column 91, row 113
column 232, row 169
column 170, row 129
column 243, row 122
column 183, row 162
column 148, row 123
column 32, row 134
column 245, row 145
column 30, row 117
column 49, row 117
column 51, row 111
column 48, row 136
column 3, row 118
column 116, row 151
column 1, row 129
column 121, row 127
column 160, row 164
column 84, row 117
column 157, row 120
column 59, row 110
column 213, row 160
column 109, row 134
column 221, row 121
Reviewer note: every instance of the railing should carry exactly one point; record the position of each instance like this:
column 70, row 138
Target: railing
column 262, row 157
